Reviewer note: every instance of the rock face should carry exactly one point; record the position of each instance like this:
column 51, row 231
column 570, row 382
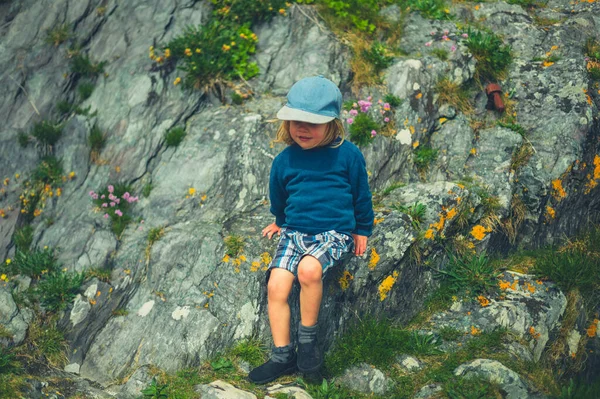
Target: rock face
column 178, row 301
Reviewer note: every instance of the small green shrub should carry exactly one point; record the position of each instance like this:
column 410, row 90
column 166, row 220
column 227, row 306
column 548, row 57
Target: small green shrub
column 416, row 212
column 493, row 57
column 81, row 65
column 23, row 238
column 325, row 390
column 515, row 127
column 174, row 136
column 57, row 35
column 594, row 73
column 432, row 9
column 423, row 344
column 155, row 234
column 441, row 53
column 570, row 269
column 250, row 350
column 471, row 275
column 372, row 341
column 449, row 333
column 361, row 130
column 96, row 139
column 147, row 190
column 358, row 14
column 120, row 312
column 47, row 133
column 101, row 274
column 379, row 56
column 48, row 171
column 155, row 390
column 470, row 388
column 237, row 98
column 234, row 245
column 247, row 12
column 58, row 289
column 579, row 389
column 393, row 100
column 222, row 364
column 85, row 90
column 24, row 139
column 65, row 107
column 34, row 263
column 423, row 156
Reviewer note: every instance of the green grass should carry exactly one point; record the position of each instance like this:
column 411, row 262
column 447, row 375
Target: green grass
column 47, row 132
column 416, row 212
column 396, row 185
column 65, row 107
column 441, row 53
column 101, row 274
column 515, row 127
column 423, row 345
column 492, row 56
column 47, row 344
column 147, row 190
column 23, row 139
column 450, row 92
column 432, row 9
column 58, row 289
column 33, row 263
column 82, row 65
column 48, row 171
column 361, row 128
column 529, row 3
column 423, row 156
column 449, row 333
column 120, row 312
column 58, row 35
column 250, row 350
column 155, row 234
column 234, row 245
column 372, row 341
column 23, row 238
column 85, row 90
column 470, row 275
column 594, row 73
column 96, row 139
column 174, row 136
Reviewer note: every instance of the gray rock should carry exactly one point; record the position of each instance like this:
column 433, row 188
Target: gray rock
column 292, row 392
column 222, row 390
column 497, row 373
column 132, row 389
column 409, row 363
column 12, row 319
column 366, row 379
column 428, row 391
column 72, row 368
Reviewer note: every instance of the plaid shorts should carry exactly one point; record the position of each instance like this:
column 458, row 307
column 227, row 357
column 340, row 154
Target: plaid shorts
column 327, row 247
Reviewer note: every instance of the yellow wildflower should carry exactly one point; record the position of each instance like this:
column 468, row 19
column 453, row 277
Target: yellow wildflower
column 442, row 120
column 71, row 175
column 203, row 198
column 92, row 302
column 418, row 96
column 429, row 234
column 345, row 280
column 559, row 192
column 590, row 331
column 192, row 191
column 242, row 258
column 265, row 258
column 3, row 277
column 374, row 259
column 416, row 144
column 483, row 301
column 475, row 330
column 254, row 266
column 188, row 52
column 282, row 11
column 8, row 261
column 451, row 213
column 378, row 220
column 226, row 259
column 226, row 47
column 177, row 81
column 198, row 51
column 550, row 212
column 37, row 213
column 58, row 192
column 473, row 151
column 478, row 232
column 167, row 53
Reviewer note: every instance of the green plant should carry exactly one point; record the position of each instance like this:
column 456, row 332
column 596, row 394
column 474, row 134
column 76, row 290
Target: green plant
column 416, row 212
column 48, row 171
column 100, row 273
column 247, row 12
column 33, row 263
column 155, row 234
column 65, row 107
column 8, row 363
column 423, row 344
column 115, row 201
column 234, row 245
column 48, row 343
column 369, row 340
column 174, row 136
column 23, row 139
column 529, row 3
column 576, row 389
column 222, row 364
column 470, row 388
column 493, row 57
column 57, row 35
column 120, row 312
column 147, row 190
column 358, row 14
column 571, row 268
column 396, row 185
column 393, row 100
column 58, row 289
column 237, row 98
column 379, row 56
column 81, row 65
column 433, row 9
column 594, row 72
column 326, row 390
column 441, row 53
column 472, row 275
column 423, row 156
column 46, row 132
column 85, row 90
column 592, row 48
column 514, row 127
column 449, row 333
column 23, row 238
column 251, row 351
column 155, row 390
column 361, row 130
column 96, row 139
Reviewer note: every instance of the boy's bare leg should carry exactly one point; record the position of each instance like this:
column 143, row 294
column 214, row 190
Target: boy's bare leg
column 310, row 273
column 279, row 288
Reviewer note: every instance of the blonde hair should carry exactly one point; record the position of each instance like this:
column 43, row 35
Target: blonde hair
column 334, row 129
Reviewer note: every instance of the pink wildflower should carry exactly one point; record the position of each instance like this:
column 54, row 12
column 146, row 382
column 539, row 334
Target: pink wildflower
column 103, row 196
column 386, row 119
column 110, row 188
column 350, row 121
column 106, row 216
column 427, row 44
column 453, row 48
column 445, row 38
column 386, row 106
column 446, row 31
column 369, row 98
column 112, row 204
column 353, row 112
column 373, row 133
column 105, row 205
column 95, row 196
column 465, row 35
column 432, row 33
column 91, row 193
column 125, row 196
column 118, row 212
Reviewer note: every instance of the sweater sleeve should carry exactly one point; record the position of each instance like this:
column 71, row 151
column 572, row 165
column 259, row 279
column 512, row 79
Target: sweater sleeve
column 361, row 195
column 277, row 194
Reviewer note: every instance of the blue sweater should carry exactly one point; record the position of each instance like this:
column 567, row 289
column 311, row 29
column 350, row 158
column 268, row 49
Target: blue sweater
column 321, row 189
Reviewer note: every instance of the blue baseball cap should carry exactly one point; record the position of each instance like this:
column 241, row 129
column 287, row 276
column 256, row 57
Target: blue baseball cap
column 315, row 100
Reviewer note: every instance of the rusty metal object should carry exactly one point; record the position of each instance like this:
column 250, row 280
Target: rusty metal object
column 494, row 93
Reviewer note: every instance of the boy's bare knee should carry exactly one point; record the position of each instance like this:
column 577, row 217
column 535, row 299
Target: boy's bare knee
column 310, row 270
column 279, row 286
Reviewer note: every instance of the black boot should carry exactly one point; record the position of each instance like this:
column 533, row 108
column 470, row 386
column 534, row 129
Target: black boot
column 309, row 357
column 272, row 370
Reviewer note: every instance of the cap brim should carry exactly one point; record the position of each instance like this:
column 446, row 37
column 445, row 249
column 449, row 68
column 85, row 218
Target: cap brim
column 291, row 114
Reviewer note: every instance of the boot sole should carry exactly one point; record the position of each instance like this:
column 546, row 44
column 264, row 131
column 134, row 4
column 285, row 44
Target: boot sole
column 291, row 370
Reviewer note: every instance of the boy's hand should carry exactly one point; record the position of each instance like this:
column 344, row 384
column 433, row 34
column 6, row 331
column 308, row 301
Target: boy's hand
column 360, row 244
column 270, row 230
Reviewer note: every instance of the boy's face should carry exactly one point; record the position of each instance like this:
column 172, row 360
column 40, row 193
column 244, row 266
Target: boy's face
column 307, row 135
